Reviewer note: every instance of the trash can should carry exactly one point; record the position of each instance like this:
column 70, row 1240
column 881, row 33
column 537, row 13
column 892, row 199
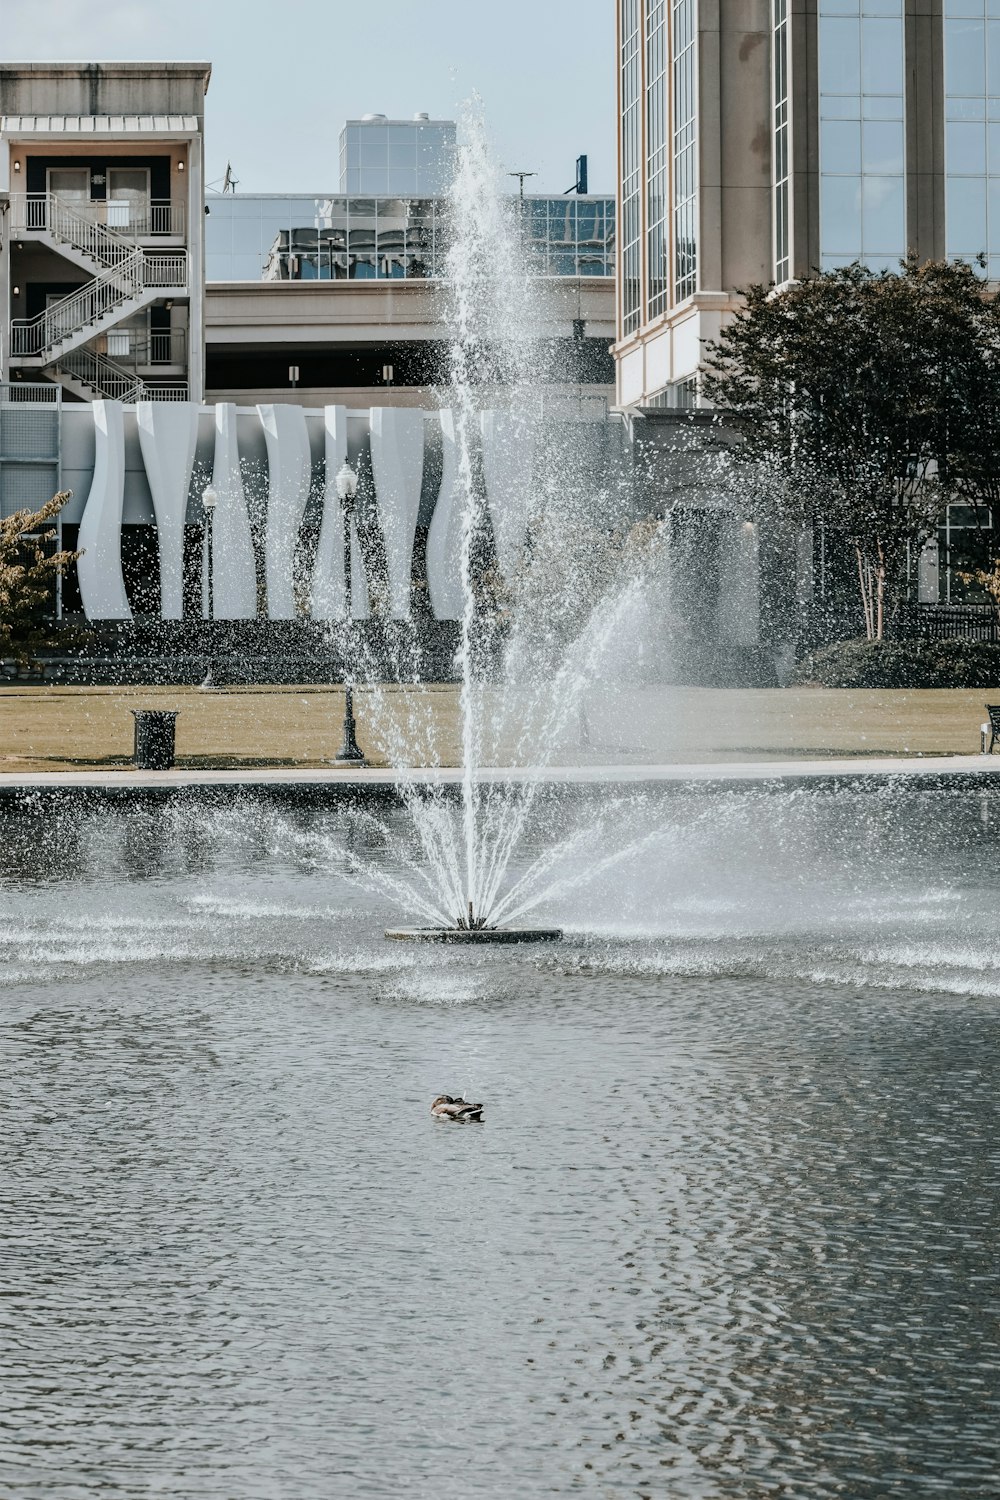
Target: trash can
column 154, row 738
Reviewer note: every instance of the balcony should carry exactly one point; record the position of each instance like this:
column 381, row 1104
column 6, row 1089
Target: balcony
column 143, row 351
column 141, row 222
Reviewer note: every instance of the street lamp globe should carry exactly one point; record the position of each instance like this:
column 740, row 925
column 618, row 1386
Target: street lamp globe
column 346, row 481
column 209, row 498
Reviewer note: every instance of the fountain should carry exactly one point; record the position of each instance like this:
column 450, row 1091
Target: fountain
column 546, row 577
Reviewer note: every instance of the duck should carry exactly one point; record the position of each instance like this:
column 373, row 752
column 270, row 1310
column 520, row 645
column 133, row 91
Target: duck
column 447, row 1108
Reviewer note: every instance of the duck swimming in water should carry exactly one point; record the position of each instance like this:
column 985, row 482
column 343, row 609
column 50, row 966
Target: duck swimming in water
column 447, row 1108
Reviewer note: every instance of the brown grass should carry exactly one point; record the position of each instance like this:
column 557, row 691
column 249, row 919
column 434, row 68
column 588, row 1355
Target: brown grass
column 59, row 728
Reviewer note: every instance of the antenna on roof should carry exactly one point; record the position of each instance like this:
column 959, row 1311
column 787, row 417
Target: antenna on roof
column 229, row 182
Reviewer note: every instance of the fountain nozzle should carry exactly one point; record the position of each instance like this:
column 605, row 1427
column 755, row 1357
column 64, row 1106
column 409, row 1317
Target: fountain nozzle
column 469, row 922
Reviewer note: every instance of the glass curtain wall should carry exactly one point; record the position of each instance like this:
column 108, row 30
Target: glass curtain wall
column 631, row 147
column 683, row 19
column 781, row 153
column 657, row 164
column 255, row 238
column 571, row 236
column 972, row 130
column 396, row 158
column 862, row 165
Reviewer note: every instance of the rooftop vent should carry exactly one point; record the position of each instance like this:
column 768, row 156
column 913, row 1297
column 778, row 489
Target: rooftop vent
column 421, row 114
column 372, row 117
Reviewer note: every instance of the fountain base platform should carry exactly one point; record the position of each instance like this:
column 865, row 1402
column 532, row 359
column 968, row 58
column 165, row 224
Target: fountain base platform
column 474, row 934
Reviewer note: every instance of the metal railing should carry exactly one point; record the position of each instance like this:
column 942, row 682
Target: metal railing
column 101, row 375
column 112, row 381
column 31, row 393
column 65, row 223
column 135, row 348
column 108, row 292
column 942, row 622
column 68, row 316
column 178, row 391
column 168, row 271
column 124, row 218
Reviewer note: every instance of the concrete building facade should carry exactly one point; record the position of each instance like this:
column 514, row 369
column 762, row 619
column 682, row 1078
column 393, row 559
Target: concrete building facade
column 102, row 261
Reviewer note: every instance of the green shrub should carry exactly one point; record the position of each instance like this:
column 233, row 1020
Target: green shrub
column 902, row 664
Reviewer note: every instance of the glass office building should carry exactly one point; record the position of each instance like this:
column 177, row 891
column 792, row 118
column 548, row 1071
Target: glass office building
column 269, row 237
column 760, row 141
column 383, row 158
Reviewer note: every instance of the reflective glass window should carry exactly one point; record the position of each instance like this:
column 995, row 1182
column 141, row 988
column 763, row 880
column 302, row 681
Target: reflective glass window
column 883, row 146
column 841, row 145
column 972, row 147
column 780, row 146
column 965, row 58
column 840, row 216
column 840, row 55
column 965, row 207
column 631, row 117
column 862, row 143
column 881, row 56
column 685, row 187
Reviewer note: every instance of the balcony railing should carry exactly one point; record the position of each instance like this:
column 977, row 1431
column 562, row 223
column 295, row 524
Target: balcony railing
column 168, row 271
column 141, row 348
column 128, row 220
column 177, row 391
column 30, row 393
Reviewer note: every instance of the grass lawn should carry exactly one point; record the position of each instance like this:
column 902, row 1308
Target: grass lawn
column 59, row 728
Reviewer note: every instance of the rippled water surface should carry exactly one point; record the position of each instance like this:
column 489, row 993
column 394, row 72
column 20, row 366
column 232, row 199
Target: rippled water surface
column 729, row 1227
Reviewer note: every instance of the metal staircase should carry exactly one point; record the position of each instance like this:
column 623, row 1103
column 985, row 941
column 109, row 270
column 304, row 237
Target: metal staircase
column 124, row 279
column 93, row 376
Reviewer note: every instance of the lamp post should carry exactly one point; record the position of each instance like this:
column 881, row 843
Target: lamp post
column 209, row 500
column 347, row 487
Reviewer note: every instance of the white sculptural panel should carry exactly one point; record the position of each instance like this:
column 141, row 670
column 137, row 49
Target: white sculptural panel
column 444, row 536
column 168, row 435
column 234, row 570
column 99, row 570
column 328, row 582
column 289, row 468
column 397, row 446
column 328, row 570
column 508, row 448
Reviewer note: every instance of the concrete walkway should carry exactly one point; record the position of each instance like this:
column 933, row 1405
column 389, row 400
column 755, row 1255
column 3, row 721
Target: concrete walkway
column 336, row 783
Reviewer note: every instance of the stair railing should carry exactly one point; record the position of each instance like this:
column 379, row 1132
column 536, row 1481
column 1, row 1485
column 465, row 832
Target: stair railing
column 101, row 375
column 65, row 222
column 82, row 308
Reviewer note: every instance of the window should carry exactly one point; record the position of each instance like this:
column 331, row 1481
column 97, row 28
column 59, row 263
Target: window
column 781, row 150
column 972, row 131
column 631, row 289
column 862, row 147
column 657, row 164
column 685, row 164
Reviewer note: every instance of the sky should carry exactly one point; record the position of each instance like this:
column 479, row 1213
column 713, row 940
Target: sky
column 286, row 75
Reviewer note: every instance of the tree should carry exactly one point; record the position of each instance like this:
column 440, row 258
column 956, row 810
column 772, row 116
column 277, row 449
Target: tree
column 27, row 578
column 861, row 399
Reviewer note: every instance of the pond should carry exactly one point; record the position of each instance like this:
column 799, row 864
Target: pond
column 728, row 1227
